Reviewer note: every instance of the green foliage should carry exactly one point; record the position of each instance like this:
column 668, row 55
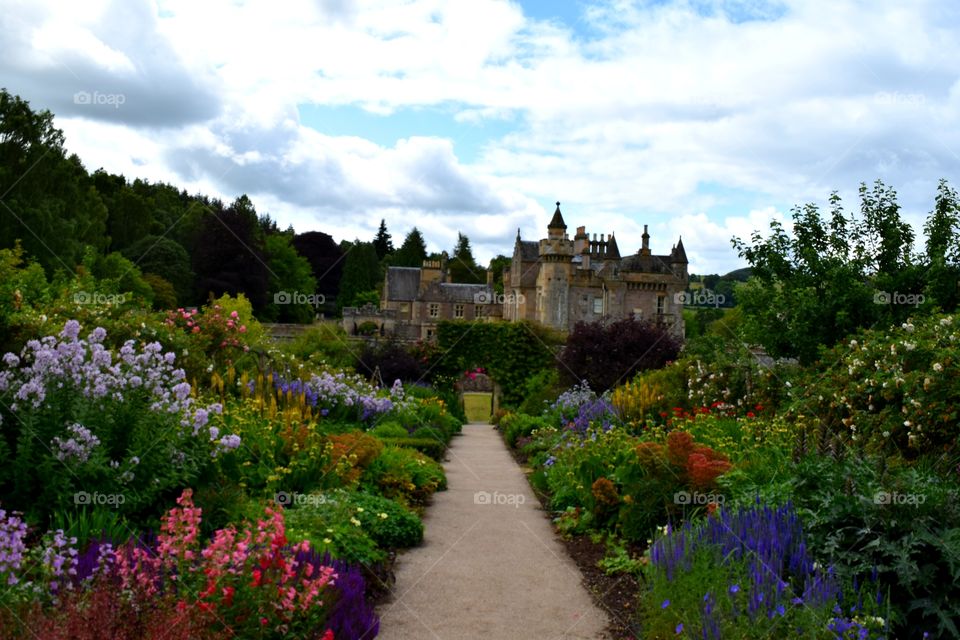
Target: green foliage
column 510, row 352
column 892, row 392
column 432, row 447
column 404, row 475
column 539, row 391
column 166, row 259
column 904, row 521
column 292, row 292
column 462, row 266
column 518, row 425
column 323, row 344
column 353, row 526
column 361, row 274
column 389, row 430
column 382, row 243
column 164, row 295
column 412, row 252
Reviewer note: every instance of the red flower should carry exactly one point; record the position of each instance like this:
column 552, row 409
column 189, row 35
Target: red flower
column 750, row 414
column 328, row 635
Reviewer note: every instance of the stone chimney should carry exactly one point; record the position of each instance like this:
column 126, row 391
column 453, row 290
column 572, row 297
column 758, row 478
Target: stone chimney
column 645, row 249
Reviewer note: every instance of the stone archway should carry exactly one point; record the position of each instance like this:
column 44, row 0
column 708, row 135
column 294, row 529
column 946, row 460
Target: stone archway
column 476, row 395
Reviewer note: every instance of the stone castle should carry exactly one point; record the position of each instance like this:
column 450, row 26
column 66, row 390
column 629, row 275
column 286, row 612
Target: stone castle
column 557, row 282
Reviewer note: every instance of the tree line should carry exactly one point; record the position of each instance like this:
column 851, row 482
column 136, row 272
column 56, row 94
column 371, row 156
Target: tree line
column 173, row 248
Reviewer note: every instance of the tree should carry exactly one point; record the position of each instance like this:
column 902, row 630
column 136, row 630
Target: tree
column 943, row 249
column 828, row 278
column 230, row 256
column 412, row 252
column 462, row 266
column 49, row 202
column 497, row 265
column 167, row 259
column 292, row 295
column 361, row 274
column 326, row 262
column 382, row 242
column 605, row 355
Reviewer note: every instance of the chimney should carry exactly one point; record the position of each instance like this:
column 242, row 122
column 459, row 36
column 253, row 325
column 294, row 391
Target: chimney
column 489, row 277
column 645, row 249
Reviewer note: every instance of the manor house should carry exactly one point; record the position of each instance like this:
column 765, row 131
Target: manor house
column 556, row 281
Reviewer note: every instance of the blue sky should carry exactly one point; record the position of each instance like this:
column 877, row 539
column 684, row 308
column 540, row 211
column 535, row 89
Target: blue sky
column 700, row 118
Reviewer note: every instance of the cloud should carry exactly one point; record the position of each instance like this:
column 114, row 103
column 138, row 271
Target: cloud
column 632, row 114
column 103, row 61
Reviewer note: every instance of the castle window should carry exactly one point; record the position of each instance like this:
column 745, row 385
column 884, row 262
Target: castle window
column 478, row 311
column 458, row 311
column 661, row 301
column 434, row 310
column 598, row 305
column 404, row 307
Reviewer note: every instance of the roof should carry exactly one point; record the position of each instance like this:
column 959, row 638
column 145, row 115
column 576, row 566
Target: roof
column 613, row 251
column 529, row 250
column 557, row 221
column 679, row 254
column 463, row 292
column 403, row 283
column 646, row 264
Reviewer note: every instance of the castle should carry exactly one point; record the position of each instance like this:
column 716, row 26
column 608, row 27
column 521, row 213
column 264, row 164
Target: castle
column 556, row 282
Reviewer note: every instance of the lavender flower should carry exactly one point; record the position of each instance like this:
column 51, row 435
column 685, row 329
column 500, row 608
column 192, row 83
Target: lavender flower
column 78, row 447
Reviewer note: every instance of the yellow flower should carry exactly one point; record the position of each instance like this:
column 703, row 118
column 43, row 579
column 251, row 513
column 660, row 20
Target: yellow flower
column 354, row 522
column 359, row 509
column 327, row 541
column 384, row 516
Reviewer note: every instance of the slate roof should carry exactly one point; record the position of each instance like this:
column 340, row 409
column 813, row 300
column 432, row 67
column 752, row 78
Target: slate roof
column 403, row 283
column 557, row 221
column 529, row 250
column 462, row 292
column 646, row 264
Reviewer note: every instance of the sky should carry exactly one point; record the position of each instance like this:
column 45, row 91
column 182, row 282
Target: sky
column 701, row 118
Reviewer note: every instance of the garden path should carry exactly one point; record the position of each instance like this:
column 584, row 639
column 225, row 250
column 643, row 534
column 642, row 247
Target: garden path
column 490, row 565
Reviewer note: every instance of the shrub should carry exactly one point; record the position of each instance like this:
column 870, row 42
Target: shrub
column 389, row 430
column 431, row 447
column 405, row 475
column 84, row 425
column 517, row 425
column 604, row 354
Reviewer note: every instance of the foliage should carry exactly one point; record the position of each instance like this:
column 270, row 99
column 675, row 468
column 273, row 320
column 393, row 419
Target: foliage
column 749, row 573
column 901, row 524
column 404, row 475
column 85, row 426
column 893, row 392
column 392, row 360
column 462, row 265
column 510, row 352
column 361, row 273
column 830, row 278
column 412, row 252
column 323, row 344
column 605, row 354
column 517, row 425
column 292, row 293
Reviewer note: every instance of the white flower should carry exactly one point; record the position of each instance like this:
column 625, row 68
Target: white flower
column 886, row 434
column 937, row 367
column 907, row 423
column 908, row 326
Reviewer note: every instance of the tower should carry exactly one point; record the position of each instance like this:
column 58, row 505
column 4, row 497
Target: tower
column 553, row 280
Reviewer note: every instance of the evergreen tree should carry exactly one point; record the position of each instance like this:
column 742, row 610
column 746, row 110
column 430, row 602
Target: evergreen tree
column 382, row 242
column 462, row 266
column 361, row 274
column 412, row 252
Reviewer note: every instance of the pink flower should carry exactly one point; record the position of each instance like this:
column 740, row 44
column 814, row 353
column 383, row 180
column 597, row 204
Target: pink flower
column 234, row 315
column 243, row 328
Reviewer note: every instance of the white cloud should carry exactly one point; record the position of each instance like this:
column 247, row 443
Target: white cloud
column 625, row 123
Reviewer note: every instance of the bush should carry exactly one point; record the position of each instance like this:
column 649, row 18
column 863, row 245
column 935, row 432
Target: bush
column 605, row 354
column 518, row 425
column 389, row 430
column 404, row 475
column 431, row 447
column 539, row 391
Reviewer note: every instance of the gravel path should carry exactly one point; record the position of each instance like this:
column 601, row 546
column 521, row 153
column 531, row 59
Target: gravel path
column 490, row 565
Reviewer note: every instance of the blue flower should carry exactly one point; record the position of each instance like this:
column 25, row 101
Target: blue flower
column 679, row 629
column 734, row 588
column 666, row 603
